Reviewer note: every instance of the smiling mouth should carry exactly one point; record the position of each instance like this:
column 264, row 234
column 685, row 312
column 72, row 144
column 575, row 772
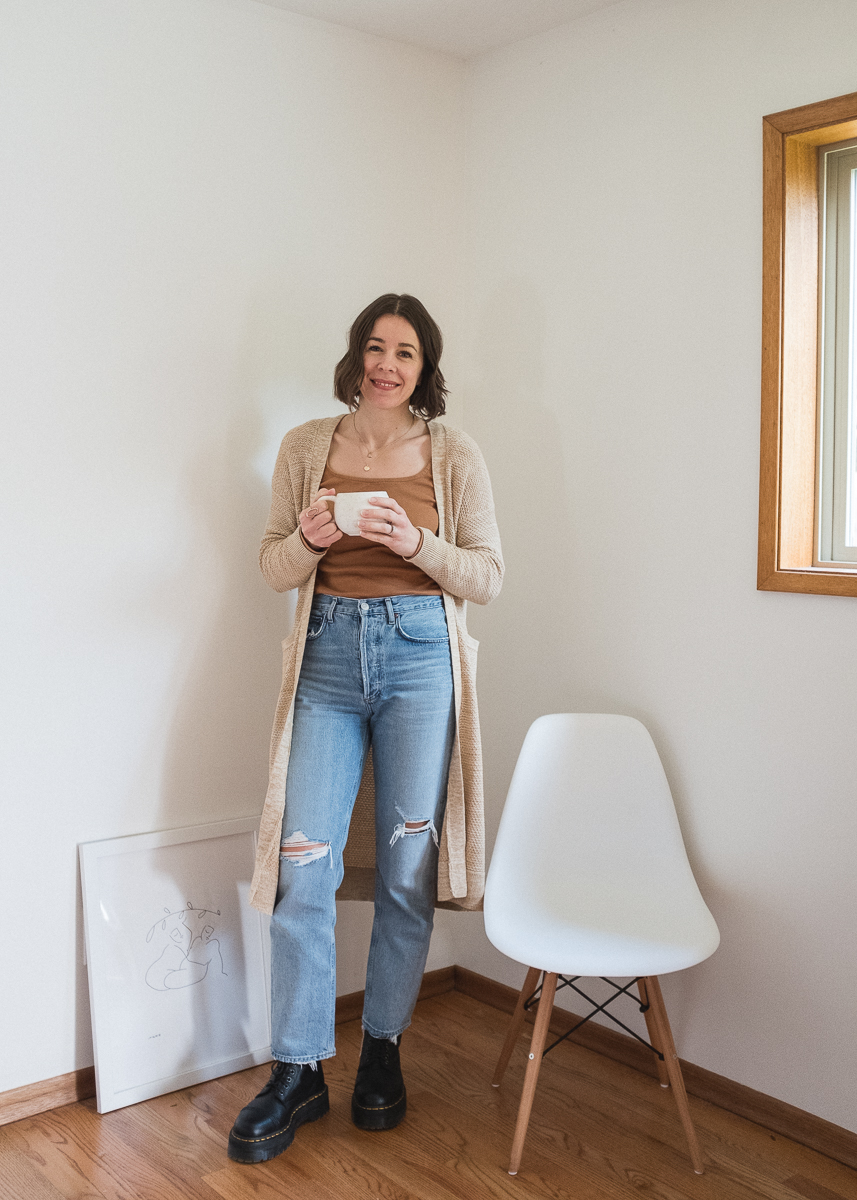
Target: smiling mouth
column 384, row 385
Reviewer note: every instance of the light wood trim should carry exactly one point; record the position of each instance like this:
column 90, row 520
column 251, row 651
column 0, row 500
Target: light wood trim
column 39, row 1097
column 772, row 272
column 812, row 1131
column 790, row 300
column 816, row 120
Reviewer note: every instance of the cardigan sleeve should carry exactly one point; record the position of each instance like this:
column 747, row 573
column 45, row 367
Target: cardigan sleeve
column 285, row 560
column 471, row 567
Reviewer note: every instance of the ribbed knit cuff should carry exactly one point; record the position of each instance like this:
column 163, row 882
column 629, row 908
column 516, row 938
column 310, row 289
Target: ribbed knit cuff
column 431, row 555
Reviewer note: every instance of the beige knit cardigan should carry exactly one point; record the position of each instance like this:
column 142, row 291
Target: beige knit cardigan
column 465, row 560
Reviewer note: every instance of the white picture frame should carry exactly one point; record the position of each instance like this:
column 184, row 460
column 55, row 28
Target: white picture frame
column 178, row 961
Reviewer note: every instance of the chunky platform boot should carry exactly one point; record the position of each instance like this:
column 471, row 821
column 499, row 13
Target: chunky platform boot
column 379, row 1100
column 294, row 1094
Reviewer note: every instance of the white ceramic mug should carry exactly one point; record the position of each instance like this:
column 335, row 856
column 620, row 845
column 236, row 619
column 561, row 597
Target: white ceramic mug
column 347, row 507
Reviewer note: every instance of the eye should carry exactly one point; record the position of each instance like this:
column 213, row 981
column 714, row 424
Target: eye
column 406, row 354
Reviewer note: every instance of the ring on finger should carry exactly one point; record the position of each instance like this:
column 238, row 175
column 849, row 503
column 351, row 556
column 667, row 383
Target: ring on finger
column 392, row 527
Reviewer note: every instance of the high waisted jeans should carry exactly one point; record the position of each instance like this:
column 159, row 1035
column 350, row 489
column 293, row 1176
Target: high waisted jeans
column 374, row 672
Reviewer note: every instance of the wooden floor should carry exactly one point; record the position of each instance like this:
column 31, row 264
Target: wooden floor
column 599, row 1130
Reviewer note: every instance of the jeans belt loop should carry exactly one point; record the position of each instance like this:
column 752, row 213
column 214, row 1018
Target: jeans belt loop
column 331, row 609
column 391, row 616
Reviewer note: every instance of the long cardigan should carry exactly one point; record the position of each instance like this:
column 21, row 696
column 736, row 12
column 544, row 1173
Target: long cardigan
column 464, row 558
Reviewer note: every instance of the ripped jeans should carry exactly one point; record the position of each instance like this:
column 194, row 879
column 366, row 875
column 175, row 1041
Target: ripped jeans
column 374, row 672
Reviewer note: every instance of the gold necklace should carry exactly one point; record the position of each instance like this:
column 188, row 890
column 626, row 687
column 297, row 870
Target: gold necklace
column 369, row 453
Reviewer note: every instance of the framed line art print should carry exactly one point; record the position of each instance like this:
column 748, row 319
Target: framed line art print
column 177, row 959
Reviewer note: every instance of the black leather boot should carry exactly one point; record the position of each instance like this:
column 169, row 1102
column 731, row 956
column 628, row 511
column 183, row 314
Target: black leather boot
column 294, row 1094
column 379, row 1100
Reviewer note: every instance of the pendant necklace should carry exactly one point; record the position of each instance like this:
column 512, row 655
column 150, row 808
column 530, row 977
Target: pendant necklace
column 369, row 453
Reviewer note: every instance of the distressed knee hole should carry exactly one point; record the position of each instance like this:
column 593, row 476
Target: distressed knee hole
column 299, row 850
column 411, row 828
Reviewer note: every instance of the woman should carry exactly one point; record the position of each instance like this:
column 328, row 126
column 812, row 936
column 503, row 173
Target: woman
column 380, row 657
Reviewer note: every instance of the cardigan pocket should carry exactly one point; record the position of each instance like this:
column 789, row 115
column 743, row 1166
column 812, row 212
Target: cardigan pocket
column 288, row 645
column 469, row 648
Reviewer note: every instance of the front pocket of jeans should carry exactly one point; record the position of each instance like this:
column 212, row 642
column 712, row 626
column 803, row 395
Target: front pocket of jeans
column 316, row 628
column 426, row 627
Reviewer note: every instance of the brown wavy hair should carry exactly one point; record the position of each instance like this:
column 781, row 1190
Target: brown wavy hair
column 429, row 396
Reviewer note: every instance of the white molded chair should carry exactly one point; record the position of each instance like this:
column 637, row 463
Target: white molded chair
column 590, row 877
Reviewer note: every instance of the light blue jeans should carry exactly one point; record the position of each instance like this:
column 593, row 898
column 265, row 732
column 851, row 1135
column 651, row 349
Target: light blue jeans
column 374, row 672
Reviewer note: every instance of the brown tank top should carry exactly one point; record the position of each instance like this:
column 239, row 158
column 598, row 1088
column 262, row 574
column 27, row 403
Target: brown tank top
column 363, row 570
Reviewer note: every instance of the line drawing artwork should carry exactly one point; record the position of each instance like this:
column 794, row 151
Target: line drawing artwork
column 189, row 949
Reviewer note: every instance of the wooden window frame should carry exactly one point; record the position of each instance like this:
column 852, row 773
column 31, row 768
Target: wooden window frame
column 790, row 319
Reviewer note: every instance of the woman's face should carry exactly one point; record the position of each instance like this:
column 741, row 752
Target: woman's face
column 392, row 363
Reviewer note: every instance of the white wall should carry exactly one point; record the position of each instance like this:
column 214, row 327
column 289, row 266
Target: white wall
column 615, row 245
column 199, row 196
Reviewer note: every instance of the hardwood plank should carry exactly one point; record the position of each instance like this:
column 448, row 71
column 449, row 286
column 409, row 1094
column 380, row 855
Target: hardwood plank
column 63, row 1158
column 476, row 1149
column 418, row 1178
column 187, row 1143
column 20, row 1180
column 605, row 1151
column 241, row 1182
column 51, row 1161
column 118, row 1170
column 812, row 1190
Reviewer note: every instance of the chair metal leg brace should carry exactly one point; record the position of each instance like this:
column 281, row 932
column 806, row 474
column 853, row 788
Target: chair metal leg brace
column 540, row 1034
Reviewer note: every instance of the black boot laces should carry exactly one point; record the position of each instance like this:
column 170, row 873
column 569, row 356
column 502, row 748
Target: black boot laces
column 282, row 1076
column 383, row 1051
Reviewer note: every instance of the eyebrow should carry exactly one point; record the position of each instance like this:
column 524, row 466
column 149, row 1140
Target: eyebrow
column 408, row 344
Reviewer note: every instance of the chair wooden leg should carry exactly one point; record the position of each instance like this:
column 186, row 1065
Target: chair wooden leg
column 515, row 1026
column 652, row 1029
column 658, row 1008
column 540, row 1034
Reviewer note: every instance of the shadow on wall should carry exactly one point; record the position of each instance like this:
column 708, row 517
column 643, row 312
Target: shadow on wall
column 527, row 655
column 215, row 761
column 215, row 765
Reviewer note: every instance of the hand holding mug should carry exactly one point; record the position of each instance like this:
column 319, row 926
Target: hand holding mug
column 317, row 523
column 387, row 523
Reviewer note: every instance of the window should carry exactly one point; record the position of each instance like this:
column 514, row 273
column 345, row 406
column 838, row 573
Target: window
column 837, row 437
column 808, row 479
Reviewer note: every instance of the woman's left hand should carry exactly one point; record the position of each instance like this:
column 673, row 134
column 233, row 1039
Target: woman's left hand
column 387, row 523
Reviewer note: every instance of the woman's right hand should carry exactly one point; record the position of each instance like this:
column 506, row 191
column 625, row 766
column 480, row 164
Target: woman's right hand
column 317, row 523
